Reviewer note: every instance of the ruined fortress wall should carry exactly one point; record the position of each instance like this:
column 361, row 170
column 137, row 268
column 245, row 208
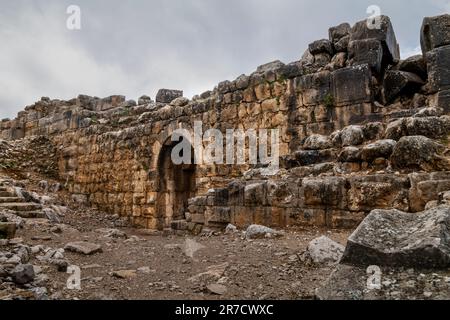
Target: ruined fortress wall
column 116, row 169
column 110, row 150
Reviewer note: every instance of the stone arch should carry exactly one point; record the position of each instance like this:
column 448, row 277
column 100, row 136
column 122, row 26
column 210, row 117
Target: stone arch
column 164, row 137
column 176, row 184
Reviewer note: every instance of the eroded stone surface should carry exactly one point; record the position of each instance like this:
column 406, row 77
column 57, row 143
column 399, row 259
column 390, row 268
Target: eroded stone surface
column 401, row 239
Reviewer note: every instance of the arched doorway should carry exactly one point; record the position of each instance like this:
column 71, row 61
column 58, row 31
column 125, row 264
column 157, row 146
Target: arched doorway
column 176, row 185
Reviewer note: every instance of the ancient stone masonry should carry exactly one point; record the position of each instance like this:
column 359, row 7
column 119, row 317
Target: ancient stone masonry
column 360, row 129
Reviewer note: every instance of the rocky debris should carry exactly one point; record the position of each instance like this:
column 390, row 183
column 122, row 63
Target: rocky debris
column 167, row 96
column 258, row 232
column 190, row 247
column 23, row 274
column 124, row 274
column 324, row 250
column 217, row 289
column 418, row 152
column 51, row 215
column 352, row 283
column 230, row 229
column 36, row 154
column 212, row 273
column 145, row 270
column 83, row 247
column 401, row 239
column 113, row 233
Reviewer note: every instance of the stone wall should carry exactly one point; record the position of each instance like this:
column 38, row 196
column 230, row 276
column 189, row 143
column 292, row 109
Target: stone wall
column 345, row 94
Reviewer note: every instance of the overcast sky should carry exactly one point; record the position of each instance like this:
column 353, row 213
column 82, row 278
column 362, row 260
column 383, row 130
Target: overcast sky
column 136, row 47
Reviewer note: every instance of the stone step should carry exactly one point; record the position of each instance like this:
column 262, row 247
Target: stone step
column 31, row 214
column 3, row 188
column 11, row 200
column 26, row 206
column 7, row 194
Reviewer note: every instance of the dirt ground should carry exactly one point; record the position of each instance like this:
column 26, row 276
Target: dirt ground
column 157, row 266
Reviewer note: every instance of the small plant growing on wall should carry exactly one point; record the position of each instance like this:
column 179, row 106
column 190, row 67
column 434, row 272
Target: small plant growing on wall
column 328, row 101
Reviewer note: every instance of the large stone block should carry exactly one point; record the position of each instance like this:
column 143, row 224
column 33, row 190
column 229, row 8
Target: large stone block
column 271, row 66
column 443, row 101
column 338, row 32
column 418, row 152
column 309, row 157
column 403, row 239
column 378, row 191
column 368, row 51
column 351, row 85
column 435, row 32
column 282, row 194
column 314, row 88
column 321, row 46
column 415, row 64
column 439, row 69
column 325, row 192
column 167, row 96
column 385, row 33
column 425, row 187
column 256, row 194
column 400, row 82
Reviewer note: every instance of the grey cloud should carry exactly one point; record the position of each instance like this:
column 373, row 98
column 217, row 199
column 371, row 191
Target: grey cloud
column 136, row 47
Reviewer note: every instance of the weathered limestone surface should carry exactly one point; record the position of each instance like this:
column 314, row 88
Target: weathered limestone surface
column 402, row 239
column 435, row 32
column 387, row 255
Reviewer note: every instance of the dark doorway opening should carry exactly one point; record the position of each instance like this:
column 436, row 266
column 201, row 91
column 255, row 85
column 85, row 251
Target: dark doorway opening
column 176, row 187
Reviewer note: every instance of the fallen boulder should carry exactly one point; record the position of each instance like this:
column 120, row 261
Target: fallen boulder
column 324, row 250
column 401, row 239
column 258, row 232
